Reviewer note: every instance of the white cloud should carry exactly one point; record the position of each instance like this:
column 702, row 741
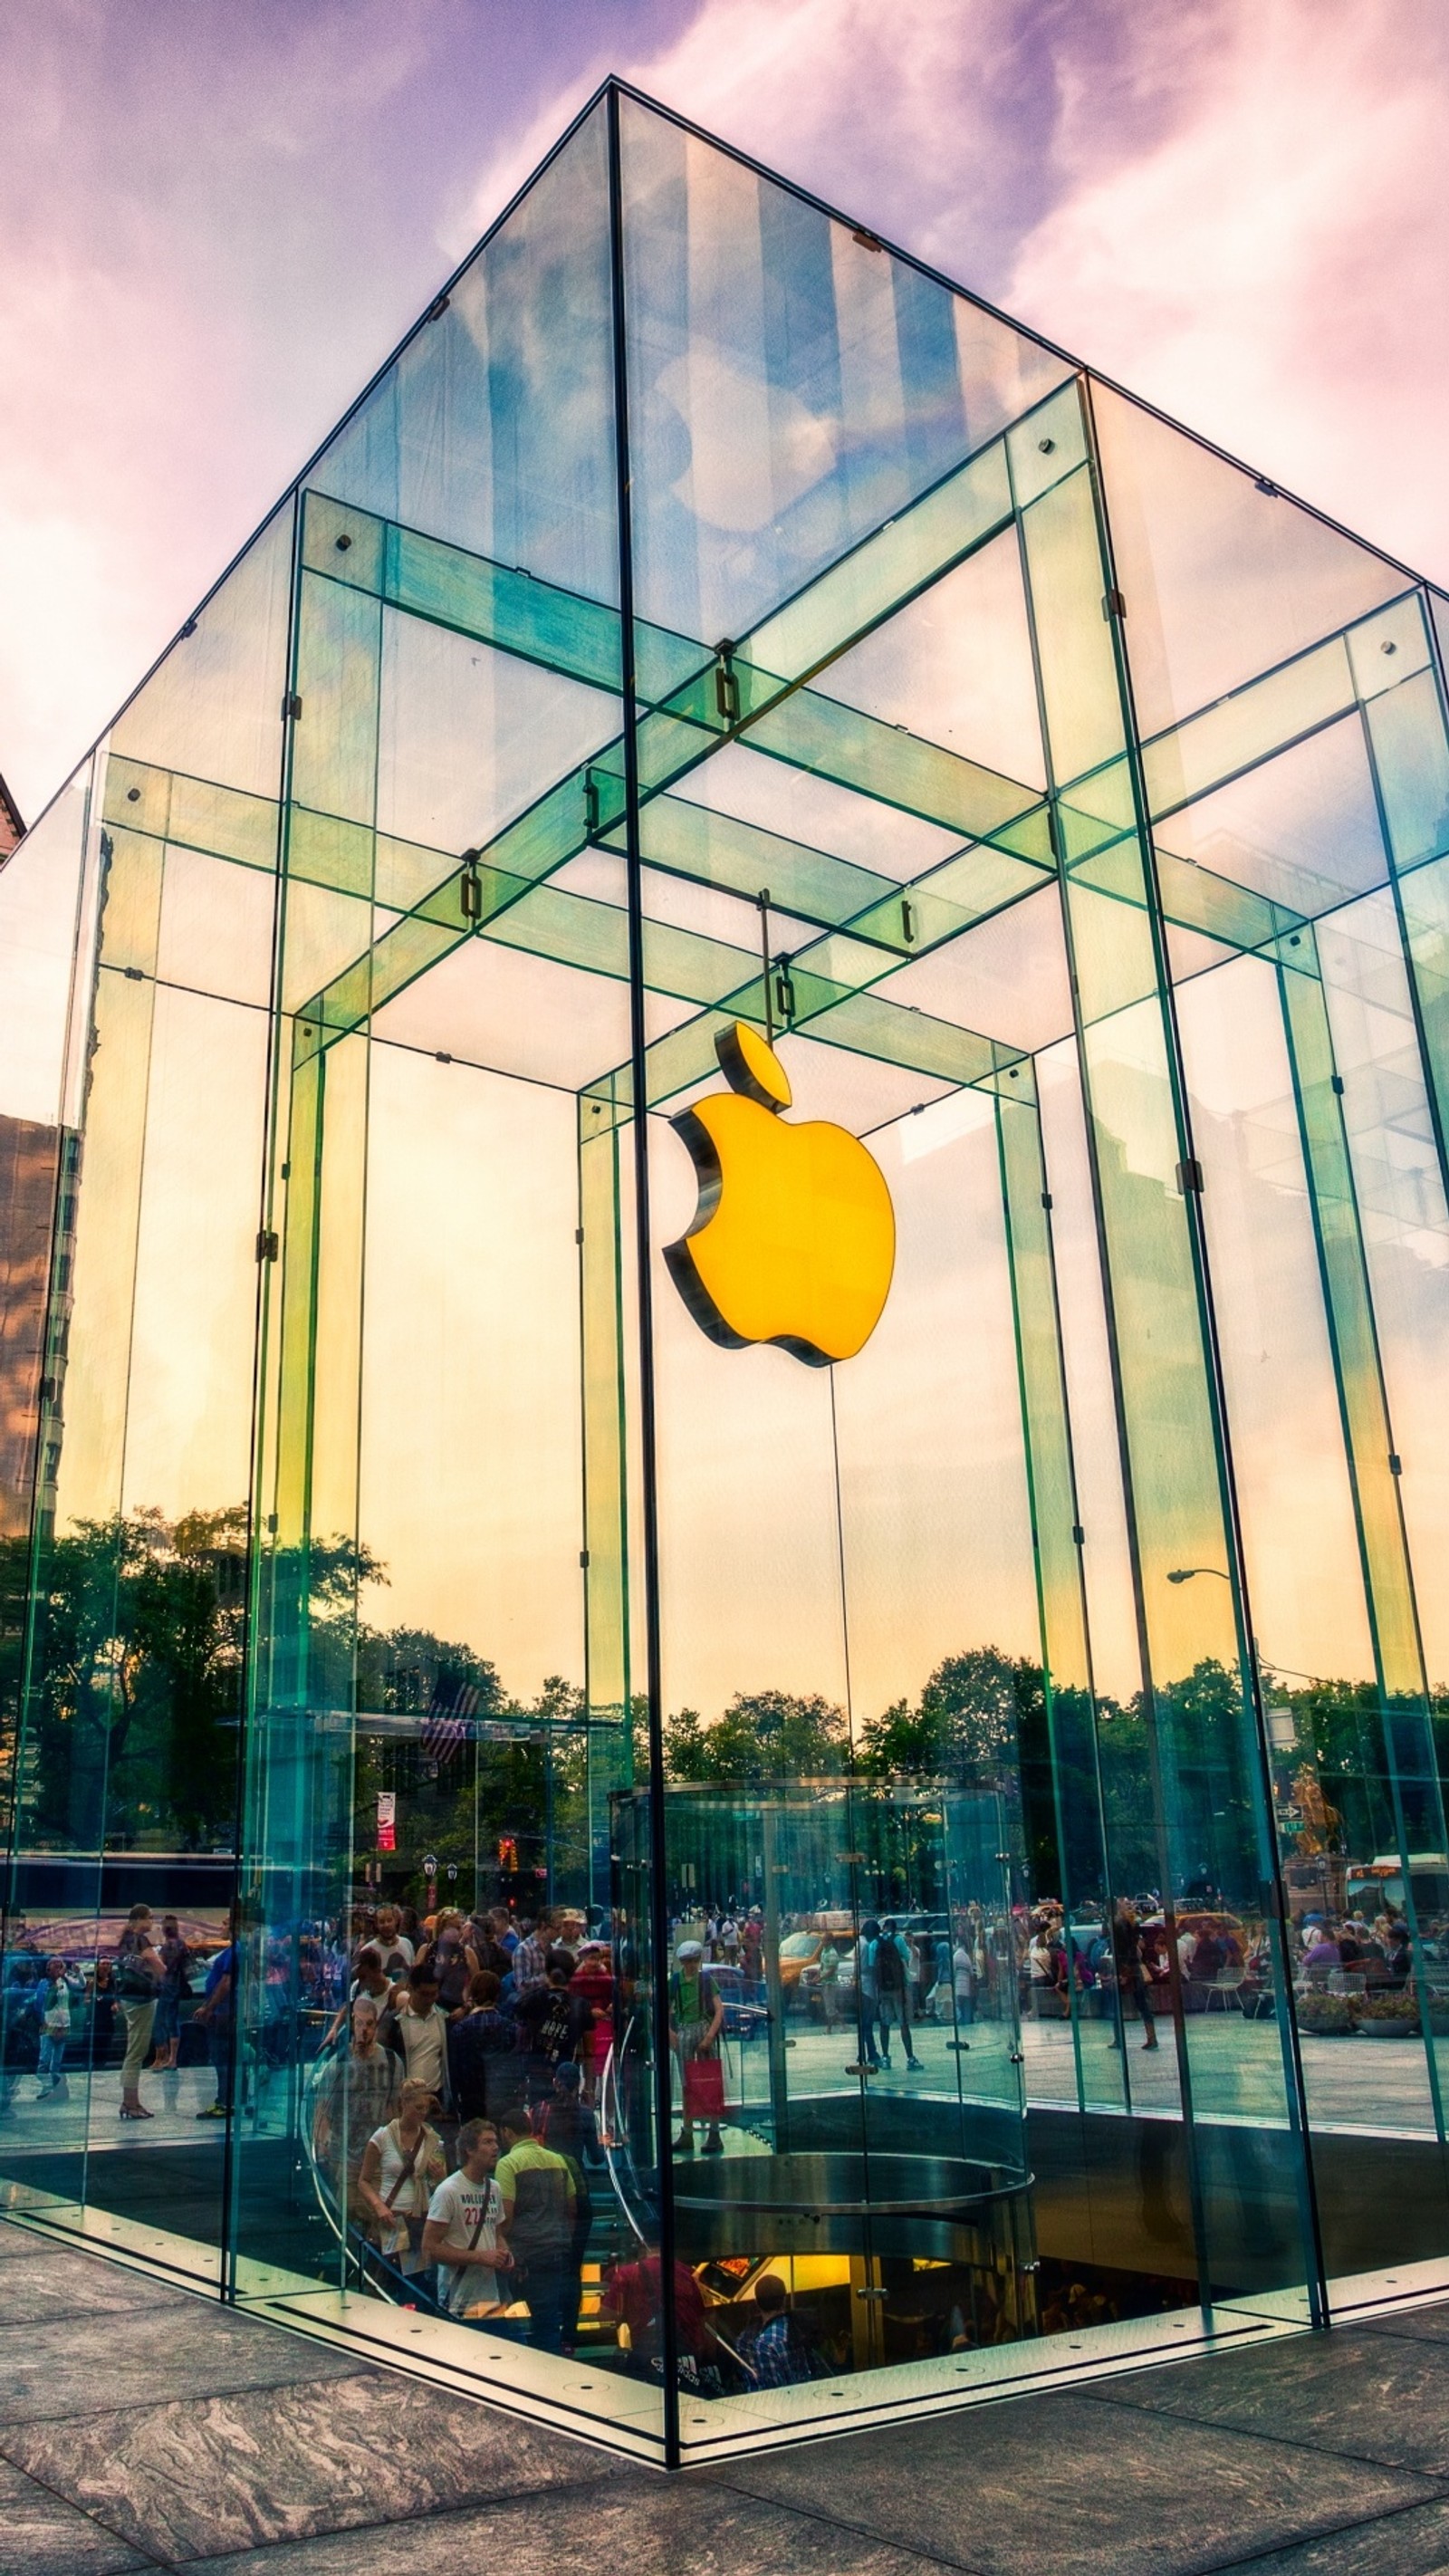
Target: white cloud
column 1238, row 210
column 1275, row 271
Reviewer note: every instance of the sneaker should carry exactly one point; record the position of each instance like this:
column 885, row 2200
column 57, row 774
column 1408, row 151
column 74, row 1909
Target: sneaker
column 914, row 2066
column 215, row 2111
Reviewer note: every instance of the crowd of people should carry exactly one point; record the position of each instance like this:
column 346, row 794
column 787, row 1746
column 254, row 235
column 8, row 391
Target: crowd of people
column 1219, row 1958
column 453, row 2108
column 453, row 2069
column 457, row 2116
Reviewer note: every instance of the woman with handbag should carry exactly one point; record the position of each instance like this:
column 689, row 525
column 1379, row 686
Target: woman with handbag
column 696, row 2018
column 402, row 2167
column 140, row 1970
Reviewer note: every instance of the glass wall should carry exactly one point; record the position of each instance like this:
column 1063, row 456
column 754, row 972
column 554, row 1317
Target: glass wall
column 725, row 1276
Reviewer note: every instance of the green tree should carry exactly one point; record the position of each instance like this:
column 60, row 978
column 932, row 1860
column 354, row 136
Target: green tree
column 764, row 1737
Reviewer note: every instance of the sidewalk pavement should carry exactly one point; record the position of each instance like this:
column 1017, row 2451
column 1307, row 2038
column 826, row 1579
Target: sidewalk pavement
column 141, row 2427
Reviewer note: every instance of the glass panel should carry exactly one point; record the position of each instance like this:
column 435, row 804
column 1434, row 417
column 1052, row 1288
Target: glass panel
column 792, row 384
column 134, row 1679
column 1198, row 1745
column 446, row 1665
column 490, row 430
column 1222, row 576
column 212, row 707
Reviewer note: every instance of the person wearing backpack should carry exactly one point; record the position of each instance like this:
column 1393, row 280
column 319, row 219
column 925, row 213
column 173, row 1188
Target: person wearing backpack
column 892, row 1994
column 539, row 2209
column 866, row 2062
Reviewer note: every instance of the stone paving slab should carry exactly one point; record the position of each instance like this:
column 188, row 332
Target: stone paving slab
column 183, row 2350
column 645, row 2526
column 1060, row 2481
column 1426, row 2325
column 141, row 2426
column 224, row 2473
column 1383, row 2398
column 1415, row 2543
column 76, row 2285
column 42, row 2535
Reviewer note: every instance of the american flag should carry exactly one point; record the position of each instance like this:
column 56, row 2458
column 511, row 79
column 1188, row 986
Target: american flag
column 445, row 1727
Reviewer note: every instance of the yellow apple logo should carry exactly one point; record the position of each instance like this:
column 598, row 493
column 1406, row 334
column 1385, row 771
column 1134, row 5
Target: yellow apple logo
column 794, row 1240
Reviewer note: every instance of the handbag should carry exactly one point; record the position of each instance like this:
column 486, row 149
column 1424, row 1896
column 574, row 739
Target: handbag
column 404, row 2225
column 704, row 2093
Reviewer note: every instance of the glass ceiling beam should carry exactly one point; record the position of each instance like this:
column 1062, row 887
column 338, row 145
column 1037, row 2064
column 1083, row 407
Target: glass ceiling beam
column 699, row 699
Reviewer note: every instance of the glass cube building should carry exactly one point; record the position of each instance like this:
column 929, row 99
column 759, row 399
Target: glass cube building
column 722, row 1148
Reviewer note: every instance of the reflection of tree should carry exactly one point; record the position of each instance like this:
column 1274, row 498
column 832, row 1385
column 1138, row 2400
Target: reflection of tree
column 136, row 1682
column 966, row 1727
column 763, row 1737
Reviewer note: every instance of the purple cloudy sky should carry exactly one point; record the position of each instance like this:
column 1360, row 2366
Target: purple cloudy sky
column 219, row 214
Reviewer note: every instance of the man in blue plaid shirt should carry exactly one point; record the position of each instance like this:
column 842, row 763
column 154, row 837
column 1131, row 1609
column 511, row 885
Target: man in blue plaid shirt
column 775, row 2353
column 529, row 1956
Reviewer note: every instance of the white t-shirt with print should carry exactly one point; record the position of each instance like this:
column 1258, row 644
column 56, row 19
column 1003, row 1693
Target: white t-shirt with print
column 458, row 2204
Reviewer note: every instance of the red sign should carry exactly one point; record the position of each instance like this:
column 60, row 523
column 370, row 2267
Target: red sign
column 387, row 1820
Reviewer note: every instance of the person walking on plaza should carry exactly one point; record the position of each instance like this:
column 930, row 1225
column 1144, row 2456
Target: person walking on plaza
column 530, row 1952
column 216, row 2014
column 866, row 2061
column 892, row 1991
column 1131, row 1973
column 963, row 1984
column 372, row 1983
column 752, row 1956
column 175, row 1988
column 828, row 1969
column 450, row 1960
column 696, row 2018
column 54, row 2033
column 389, row 1937
column 139, row 1971
column 539, row 2209
column 482, row 2060
column 420, row 2033
column 552, row 2023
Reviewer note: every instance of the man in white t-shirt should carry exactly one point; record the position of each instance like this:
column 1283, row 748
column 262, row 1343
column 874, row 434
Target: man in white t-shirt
column 461, row 2235
column 397, row 1950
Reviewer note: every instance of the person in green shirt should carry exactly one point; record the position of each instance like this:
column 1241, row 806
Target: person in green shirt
column 696, row 2018
column 539, row 2204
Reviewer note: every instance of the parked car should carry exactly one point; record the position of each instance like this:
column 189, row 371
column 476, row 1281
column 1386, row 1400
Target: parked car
column 741, row 2020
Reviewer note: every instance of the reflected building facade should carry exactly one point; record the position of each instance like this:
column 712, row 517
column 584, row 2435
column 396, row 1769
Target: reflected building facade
column 731, row 731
